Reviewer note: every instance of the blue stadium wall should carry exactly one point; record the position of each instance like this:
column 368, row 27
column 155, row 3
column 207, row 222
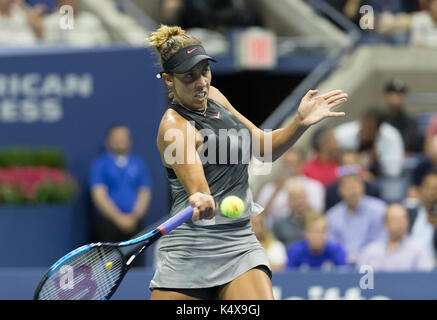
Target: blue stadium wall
column 66, row 99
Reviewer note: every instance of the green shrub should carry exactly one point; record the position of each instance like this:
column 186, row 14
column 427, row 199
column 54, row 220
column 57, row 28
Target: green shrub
column 23, row 157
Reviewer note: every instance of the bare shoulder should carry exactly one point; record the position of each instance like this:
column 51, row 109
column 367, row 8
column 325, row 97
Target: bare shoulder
column 177, row 133
column 170, row 119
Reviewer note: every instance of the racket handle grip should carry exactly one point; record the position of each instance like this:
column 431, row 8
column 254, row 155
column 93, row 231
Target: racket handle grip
column 177, row 220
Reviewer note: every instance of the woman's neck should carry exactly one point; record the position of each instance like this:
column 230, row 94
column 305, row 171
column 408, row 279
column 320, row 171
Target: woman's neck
column 198, row 111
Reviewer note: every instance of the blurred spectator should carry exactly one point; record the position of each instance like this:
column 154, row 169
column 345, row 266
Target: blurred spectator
column 198, row 16
column 431, row 129
column 349, row 8
column 396, row 115
column 410, row 6
column 19, row 25
column 380, row 144
column 315, row 251
column 218, row 14
column 274, row 198
column 120, row 188
column 49, row 5
column 393, row 6
column 323, row 165
column 395, row 26
column 171, row 12
column 423, row 213
column 398, row 252
column 289, row 229
column 424, row 26
column 426, row 164
column 275, row 250
column 431, row 132
column 357, row 220
column 87, row 30
column 395, row 18
column 350, row 164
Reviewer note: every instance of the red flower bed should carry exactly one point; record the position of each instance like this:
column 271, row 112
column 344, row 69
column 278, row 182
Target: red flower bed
column 35, row 184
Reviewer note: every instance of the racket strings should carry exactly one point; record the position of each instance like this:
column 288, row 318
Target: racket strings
column 91, row 275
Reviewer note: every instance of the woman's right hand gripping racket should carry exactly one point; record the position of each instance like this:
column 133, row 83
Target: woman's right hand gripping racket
column 94, row 271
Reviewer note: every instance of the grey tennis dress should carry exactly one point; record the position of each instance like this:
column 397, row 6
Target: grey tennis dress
column 209, row 253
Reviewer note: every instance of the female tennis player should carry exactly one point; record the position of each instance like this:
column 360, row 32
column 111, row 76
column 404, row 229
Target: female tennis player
column 212, row 256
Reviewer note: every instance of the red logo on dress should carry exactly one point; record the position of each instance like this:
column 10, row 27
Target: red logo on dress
column 191, row 51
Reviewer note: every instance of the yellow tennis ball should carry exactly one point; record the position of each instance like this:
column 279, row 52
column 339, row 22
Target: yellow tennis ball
column 232, row 207
column 108, row 265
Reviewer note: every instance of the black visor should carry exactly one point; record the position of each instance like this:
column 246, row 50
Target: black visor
column 185, row 59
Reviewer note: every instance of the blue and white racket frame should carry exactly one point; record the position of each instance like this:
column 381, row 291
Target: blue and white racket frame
column 145, row 240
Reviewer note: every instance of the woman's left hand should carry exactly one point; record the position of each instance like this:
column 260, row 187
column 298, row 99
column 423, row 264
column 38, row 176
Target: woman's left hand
column 313, row 109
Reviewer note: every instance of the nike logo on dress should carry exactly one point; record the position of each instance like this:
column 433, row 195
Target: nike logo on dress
column 191, row 51
column 217, row 116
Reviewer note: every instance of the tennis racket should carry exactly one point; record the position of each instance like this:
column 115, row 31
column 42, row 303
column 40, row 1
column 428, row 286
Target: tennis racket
column 94, row 271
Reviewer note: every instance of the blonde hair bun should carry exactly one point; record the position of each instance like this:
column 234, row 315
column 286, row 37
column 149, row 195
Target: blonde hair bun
column 163, row 34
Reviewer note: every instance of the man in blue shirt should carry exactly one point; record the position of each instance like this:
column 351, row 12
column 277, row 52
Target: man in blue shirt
column 315, row 251
column 357, row 220
column 398, row 251
column 120, row 188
